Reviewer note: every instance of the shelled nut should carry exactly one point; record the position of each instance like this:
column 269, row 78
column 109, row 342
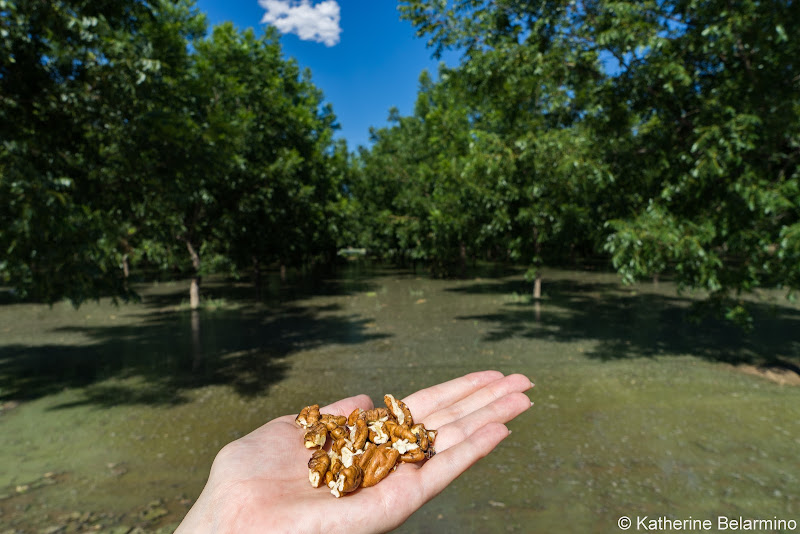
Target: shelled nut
column 365, row 447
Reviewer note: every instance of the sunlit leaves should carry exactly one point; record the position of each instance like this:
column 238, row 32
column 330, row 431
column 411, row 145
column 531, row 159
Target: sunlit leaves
column 128, row 136
column 67, row 94
column 675, row 123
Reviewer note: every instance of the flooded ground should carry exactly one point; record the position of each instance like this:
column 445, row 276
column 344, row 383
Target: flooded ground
column 110, row 416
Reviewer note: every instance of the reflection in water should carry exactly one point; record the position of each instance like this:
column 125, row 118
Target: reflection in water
column 197, row 347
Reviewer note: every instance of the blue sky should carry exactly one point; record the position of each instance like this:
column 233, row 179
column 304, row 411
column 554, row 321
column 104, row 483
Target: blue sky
column 366, row 62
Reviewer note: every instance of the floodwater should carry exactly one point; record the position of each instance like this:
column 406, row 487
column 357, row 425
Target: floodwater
column 111, row 416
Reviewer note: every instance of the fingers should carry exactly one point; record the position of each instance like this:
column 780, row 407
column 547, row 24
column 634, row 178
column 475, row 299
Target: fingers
column 478, row 399
column 445, row 467
column 432, row 399
column 502, row 410
column 346, row 406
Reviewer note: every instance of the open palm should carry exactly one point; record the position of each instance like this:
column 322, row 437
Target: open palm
column 259, row 483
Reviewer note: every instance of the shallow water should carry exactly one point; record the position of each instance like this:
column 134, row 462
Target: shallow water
column 637, row 411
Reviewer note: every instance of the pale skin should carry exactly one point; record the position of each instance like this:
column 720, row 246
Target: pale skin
column 259, row 483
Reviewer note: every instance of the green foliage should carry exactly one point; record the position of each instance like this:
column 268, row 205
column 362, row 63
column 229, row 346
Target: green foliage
column 414, row 189
column 71, row 75
column 715, row 112
column 497, row 156
column 131, row 139
column 250, row 173
column 664, row 134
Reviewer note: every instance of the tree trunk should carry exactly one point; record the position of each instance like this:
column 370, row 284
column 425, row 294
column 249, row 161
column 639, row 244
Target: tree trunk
column 462, row 255
column 126, row 264
column 537, row 286
column 537, row 247
column 257, row 277
column 194, row 293
column 283, row 272
column 197, row 347
column 126, row 271
column 194, row 287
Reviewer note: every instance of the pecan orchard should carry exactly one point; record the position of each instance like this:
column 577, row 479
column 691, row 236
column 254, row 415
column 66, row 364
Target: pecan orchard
column 365, row 447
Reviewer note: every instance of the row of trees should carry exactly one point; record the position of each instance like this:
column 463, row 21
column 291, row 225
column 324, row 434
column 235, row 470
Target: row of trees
column 131, row 138
column 662, row 135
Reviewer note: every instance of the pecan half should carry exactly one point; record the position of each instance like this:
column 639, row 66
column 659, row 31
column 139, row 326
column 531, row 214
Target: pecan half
column 317, row 467
column 403, row 432
column 359, row 434
column 422, row 436
column 413, row 455
column 308, row 416
column 354, row 415
column 399, row 410
column 349, row 479
column 338, row 445
column 349, row 456
column 332, row 421
column 364, row 458
column 338, row 433
column 316, row 436
column 376, row 414
column 380, row 464
column 333, row 471
column 378, row 434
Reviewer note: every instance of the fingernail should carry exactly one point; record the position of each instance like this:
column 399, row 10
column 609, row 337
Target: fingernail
column 532, row 384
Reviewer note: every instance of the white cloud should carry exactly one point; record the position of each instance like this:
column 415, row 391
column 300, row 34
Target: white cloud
column 318, row 22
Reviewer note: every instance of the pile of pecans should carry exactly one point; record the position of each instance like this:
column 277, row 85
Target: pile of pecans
column 365, row 447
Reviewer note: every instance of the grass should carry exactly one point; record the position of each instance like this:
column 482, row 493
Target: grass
column 637, row 411
column 516, row 298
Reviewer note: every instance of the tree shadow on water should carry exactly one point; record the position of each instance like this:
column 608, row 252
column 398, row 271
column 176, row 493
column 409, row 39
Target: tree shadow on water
column 165, row 351
column 628, row 323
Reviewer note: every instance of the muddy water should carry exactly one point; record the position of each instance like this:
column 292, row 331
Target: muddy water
column 111, row 416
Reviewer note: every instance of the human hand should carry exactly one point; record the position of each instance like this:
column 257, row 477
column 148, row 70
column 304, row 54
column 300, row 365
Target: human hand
column 259, row 483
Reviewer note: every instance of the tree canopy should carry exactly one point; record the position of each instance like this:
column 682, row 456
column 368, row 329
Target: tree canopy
column 131, row 137
column 660, row 136
column 663, row 134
